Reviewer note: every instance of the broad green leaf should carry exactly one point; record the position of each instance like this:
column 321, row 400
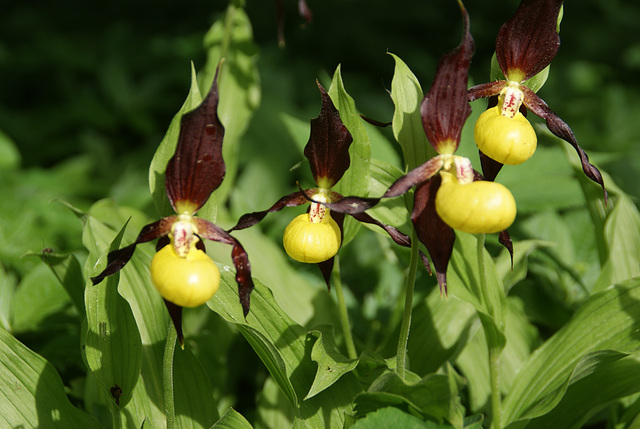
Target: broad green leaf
column 8, row 283
column 112, row 341
column 356, row 179
column 431, row 396
column 589, row 395
column 68, row 271
column 331, row 363
column 31, row 391
column 390, row 211
column 9, row 155
column 273, row 409
column 391, row 417
column 407, row 96
column 439, row 330
column 285, row 349
column 521, row 251
column 232, row 420
column 608, row 321
column 622, row 237
column 231, row 39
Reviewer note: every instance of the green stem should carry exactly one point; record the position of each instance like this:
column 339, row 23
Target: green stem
column 167, row 377
column 494, row 350
column 342, row 310
column 401, row 357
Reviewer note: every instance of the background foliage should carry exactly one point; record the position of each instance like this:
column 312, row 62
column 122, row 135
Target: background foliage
column 86, row 96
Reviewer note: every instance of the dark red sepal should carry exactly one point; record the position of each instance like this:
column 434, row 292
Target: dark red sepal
column 418, row 175
column 175, row 312
column 528, row 42
column 505, row 239
column 291, row 200
column 445, row 107
column 239, row 257
column 485, row 90
column 328, row 146
column 197, row 168
column 117, row 259
column 394, row 233
column 559, row 128
column 437, row 236
column 490, row 167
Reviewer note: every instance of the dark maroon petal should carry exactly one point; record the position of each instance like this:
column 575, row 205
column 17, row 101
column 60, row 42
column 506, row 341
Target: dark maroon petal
column 117, row 259
column 250, row 219
column 304, row 11
column 351, row 205
column 394, row 233
column 445, row 107
column 505, row 239
column 485, row 90
column 239, row 257
column 375, row 122
column 528, row 42
column 437, row 236
column 175, row 312
column 418, row 175
column 559, row 128
column 328, row 146
column 426, row 263
column 490, row 167
column 197, row 168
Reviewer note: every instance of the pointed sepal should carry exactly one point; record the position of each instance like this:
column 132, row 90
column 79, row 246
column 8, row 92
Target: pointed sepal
column 197, row 168
column 528, row 42
column 445, row 107
column 292, row 200
column 328, row 147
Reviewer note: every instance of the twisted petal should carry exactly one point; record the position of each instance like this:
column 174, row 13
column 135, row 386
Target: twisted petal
column 445, row 107
column 394, row 233
column 485, row 90
column 239, row 257
column 418, row 175
column 291, row 200
column 559, row 128
column 528, row 42
column 328, row 146
column 117, row 259
column 197, row 168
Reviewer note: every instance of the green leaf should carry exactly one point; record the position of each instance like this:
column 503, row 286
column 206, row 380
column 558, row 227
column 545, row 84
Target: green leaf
column 112, row 341
column 33, row 395
column 285, row 349
column 356, row 179
column 232, row 420
column 591, row 394
column 9, row 155
column 431, row 396
column 167, row 148
column 407, row 96
column 390, row 211
column 331, row 363
column 391, row 417
column 608, row 321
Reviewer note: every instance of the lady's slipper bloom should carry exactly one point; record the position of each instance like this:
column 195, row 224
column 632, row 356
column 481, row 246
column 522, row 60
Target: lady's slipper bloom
column 449, row 193
column 316, row 236
column 525, row 46
column 180, row 270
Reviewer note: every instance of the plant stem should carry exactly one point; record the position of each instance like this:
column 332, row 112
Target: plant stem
column 342, row 310
column 494, row 350
column 401, row 357
column 167, row 377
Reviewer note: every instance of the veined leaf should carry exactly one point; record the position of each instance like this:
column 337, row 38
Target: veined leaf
column 32, row 394
column 232, row 420
column 608, row 321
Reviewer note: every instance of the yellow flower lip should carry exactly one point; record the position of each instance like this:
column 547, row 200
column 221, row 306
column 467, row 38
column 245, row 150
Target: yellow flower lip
column 507, row 140
column 477, row 207
column 312, row 242
column 188, row 281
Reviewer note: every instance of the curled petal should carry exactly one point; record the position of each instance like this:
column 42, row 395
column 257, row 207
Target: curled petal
column 559, row 128
column 445, row 107
column 239, row 257
column 528, row 42
column 394, row 233
column 437, row 236
column 291, row 200
column 328, row 146
column 418, row 175
column 197, row 168
column 117, row 259
column 485, row 90
column 175, row 313
column 505, row 239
